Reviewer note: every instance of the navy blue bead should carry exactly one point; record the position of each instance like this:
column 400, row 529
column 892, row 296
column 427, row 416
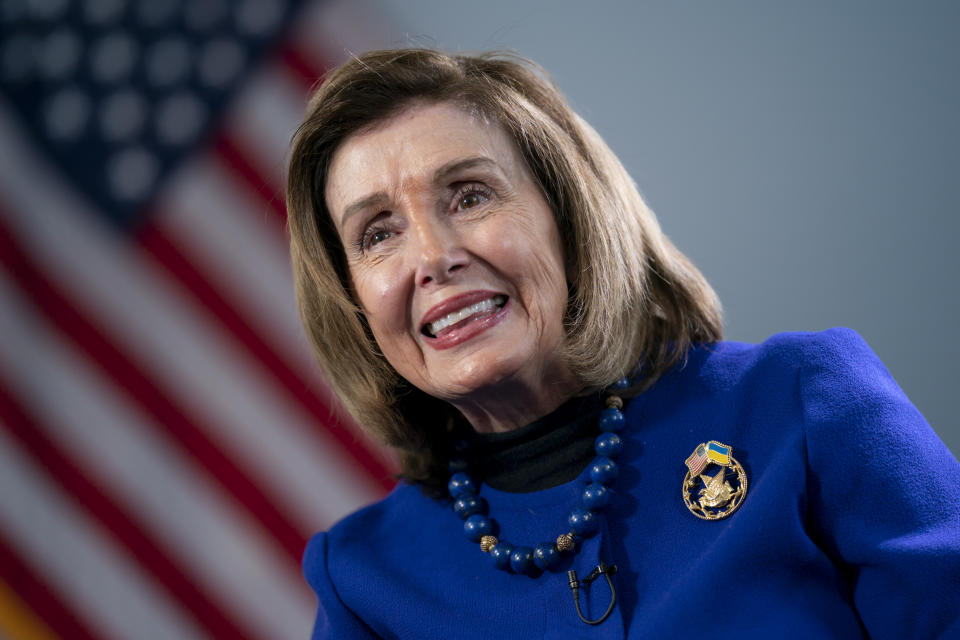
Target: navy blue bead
column 608, row 444
column 596, row 496
column 583, row 522
column 603, row 470
column 468, row 505
column 521, row 560
column 611, row 419
column 501, row 555
column 461, row 484
column 622, row 383
column 477, row 526
column 546, row 555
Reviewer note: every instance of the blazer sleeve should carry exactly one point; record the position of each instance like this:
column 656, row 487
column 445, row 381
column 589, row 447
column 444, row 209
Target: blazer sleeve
column 883, row 492
column 334, row 620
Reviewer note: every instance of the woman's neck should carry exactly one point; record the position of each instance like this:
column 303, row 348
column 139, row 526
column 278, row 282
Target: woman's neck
column 512, row 405
column 545, row 453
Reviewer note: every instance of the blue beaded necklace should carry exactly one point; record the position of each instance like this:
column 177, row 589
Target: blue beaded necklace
column 583, row 522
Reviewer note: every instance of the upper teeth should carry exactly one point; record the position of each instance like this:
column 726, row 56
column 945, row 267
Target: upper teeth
column 466, row 312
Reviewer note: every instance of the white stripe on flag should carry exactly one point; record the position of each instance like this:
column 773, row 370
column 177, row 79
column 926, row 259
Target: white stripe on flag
column 219, row 546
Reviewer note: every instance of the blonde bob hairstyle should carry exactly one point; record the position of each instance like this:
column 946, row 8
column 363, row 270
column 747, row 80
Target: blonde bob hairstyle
column 636, row 304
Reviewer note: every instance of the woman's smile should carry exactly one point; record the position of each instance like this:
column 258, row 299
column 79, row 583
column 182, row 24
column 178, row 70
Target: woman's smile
column 461, row 317
column 454, row 254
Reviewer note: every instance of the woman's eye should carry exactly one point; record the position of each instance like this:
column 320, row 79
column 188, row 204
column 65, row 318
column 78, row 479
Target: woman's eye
column 376, row 237
column 471, row 199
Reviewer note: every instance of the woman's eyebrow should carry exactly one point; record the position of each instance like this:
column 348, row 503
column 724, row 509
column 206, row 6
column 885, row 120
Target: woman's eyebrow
column 363, row 203
column 441, row 174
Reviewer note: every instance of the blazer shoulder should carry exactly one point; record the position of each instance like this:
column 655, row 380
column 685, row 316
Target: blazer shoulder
column 832, row 344
column 779, row 359
column 396, row 514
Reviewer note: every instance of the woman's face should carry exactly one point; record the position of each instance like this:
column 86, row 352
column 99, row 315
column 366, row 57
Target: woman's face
column 453, row 252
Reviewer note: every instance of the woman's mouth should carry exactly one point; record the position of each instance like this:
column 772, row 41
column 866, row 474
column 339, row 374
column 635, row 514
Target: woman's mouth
column 482, row 308
column 463, row 322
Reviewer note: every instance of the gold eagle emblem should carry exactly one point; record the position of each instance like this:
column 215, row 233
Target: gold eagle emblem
column 716, row 497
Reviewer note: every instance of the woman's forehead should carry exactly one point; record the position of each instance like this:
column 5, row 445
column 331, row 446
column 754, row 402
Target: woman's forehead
column 412, row 147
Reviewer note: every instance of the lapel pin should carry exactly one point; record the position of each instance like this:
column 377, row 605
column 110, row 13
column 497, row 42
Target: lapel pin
column 715, row 484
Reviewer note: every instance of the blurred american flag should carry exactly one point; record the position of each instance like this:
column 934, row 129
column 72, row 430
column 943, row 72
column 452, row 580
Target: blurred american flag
column 166, row 443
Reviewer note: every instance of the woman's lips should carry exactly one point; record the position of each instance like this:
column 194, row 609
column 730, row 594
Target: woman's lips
column 460, row 318
column 483, row 308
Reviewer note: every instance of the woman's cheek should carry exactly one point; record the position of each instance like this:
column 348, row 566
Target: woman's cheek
column 502, row 245
column 378, row 295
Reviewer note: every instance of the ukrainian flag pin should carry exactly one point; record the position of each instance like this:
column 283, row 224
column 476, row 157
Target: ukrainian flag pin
column 716, row 496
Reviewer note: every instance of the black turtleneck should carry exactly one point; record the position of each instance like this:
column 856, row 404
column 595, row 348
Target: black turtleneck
column 543, row 454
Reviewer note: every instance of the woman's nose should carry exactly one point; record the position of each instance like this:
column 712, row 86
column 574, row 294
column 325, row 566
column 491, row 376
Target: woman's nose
column 441, row 254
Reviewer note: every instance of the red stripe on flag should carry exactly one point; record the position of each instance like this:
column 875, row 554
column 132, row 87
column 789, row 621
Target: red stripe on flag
column 143, row 548
column 155, row 241
column 127, row 376
column 307, row 72
column 236, row 161
column 39, row 597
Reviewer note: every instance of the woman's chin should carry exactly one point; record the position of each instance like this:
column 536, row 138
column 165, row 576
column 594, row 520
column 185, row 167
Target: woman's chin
column 478, row 376
column 482, row 379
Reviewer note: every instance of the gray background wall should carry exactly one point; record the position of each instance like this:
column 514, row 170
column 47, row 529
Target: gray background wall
column 806, row 155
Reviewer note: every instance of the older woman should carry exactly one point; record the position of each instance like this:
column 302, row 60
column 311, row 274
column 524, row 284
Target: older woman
column 581, row 454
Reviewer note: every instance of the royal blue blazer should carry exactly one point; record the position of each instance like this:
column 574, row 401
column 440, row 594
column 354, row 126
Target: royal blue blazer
column 850, row 525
